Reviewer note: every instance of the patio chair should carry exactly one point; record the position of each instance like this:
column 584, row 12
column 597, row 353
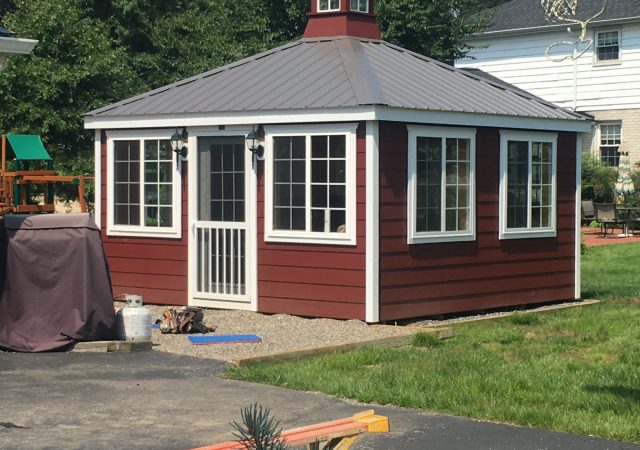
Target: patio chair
column 588, row 212
column 606, row 215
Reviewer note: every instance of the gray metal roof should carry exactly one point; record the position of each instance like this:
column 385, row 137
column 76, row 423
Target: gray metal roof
column 335, row 73
column 524, row 14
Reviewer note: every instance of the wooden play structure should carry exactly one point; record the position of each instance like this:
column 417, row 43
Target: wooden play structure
column 337, row 434
column 31, row 165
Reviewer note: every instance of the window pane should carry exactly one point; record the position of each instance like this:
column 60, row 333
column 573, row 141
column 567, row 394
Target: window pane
column 282, row 218
column 517, row 183
column 126, row 176
column 298, row 219
column 451, row 220
column 298, row 171
column 337, row 196
column 338, row 221
column 319, row 196
column 317, row 220
column 281, row 148
column 318, row 146
column 166, row 219
column 165, row 194
column 337, row 146
column 323, row 5
column 151, row 150
column 337, row 171
column 151, row 194
column 282, row 195
column 151, row 216
column 227, row 186
column 282, row 171
column 151, row 172
column 319, row 171
column 298, row 145
column 298, row 195
column 165, row 150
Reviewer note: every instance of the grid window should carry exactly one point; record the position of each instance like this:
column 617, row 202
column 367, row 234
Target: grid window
column 528, row 185
column 158, row 183
column 607, row 46
column 610, row 139
column 359, row 5
column 328, row 5
column 227, row 182
column 289, row 183
column 310, row 184
column 441, row 184
column 126, row 187
column 143, row 193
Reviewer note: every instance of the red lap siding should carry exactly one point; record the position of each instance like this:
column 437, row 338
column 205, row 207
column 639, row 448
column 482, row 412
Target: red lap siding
column 315, row 280
column 153, row 268
column 425, row 279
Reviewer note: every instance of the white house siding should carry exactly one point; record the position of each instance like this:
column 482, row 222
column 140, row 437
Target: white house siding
column 580, row 84
column 611, row 93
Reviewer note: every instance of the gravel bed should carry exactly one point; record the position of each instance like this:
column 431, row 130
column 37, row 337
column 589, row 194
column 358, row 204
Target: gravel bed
column 461, row 317
column 279, row 333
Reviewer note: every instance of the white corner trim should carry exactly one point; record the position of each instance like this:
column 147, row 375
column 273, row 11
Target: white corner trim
column 372, row 277
column 578, row 213
column 97, row 179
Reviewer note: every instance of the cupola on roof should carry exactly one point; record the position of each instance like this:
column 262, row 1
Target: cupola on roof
column 332, row 18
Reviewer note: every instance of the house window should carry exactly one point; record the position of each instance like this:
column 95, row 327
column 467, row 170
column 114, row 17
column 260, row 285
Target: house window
column 359, row 5
column 610, row 139
column 328, row 5
column 441, row 183
column 527, row 185
column 143, row 186
column 607, row 46
column 310, row 180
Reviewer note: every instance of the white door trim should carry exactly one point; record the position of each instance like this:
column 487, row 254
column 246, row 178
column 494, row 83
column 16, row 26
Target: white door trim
column 251, row 219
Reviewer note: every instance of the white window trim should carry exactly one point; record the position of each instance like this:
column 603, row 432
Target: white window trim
column 525, row 233
column 424, row 237
column 291, row 236
column 366, row 11
column 140, row 230
column 612, row 62
column 599, row 145
column 329, row 10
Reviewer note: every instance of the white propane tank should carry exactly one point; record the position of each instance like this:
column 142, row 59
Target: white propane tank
column 133, row 322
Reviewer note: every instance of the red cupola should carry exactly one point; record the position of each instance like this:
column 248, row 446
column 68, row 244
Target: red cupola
column 329, row 18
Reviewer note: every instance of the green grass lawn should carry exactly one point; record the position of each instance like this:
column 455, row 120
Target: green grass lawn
column 576, row 370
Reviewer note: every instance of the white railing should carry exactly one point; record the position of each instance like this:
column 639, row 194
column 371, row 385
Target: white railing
column 221, row 258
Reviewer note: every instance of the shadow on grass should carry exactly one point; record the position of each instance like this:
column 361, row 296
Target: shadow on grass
column 625, row 392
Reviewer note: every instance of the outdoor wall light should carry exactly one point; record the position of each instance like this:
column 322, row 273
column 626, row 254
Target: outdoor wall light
column 253, row 143
column 177, row 144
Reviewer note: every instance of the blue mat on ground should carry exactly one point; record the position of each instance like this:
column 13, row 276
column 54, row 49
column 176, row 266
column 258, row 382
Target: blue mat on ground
column 224, row 339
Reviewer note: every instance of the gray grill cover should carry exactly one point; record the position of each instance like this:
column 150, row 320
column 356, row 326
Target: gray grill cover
column 55, row 287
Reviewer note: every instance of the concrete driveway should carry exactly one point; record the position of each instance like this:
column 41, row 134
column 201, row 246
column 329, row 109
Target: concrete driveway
column 154, row 400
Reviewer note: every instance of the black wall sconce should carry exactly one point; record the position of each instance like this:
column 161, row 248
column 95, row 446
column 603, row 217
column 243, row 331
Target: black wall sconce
column 253, row 143
column 178, row 146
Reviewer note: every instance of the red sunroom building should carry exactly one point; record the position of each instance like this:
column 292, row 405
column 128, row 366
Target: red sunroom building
column 390, row 185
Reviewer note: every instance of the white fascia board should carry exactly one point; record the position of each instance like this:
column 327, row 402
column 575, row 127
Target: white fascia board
column 232, row 118
column 365, row 113
column 97, row 169
column 481, row 120
column 16, row 46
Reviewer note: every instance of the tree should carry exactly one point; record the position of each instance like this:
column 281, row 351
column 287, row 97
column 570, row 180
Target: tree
column 74, row 68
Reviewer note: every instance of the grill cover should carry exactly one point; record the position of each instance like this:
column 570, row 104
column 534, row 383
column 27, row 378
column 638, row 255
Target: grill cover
column 55, row 287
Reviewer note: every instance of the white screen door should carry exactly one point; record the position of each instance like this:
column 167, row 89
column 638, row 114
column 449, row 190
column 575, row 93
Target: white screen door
column 221, row 228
